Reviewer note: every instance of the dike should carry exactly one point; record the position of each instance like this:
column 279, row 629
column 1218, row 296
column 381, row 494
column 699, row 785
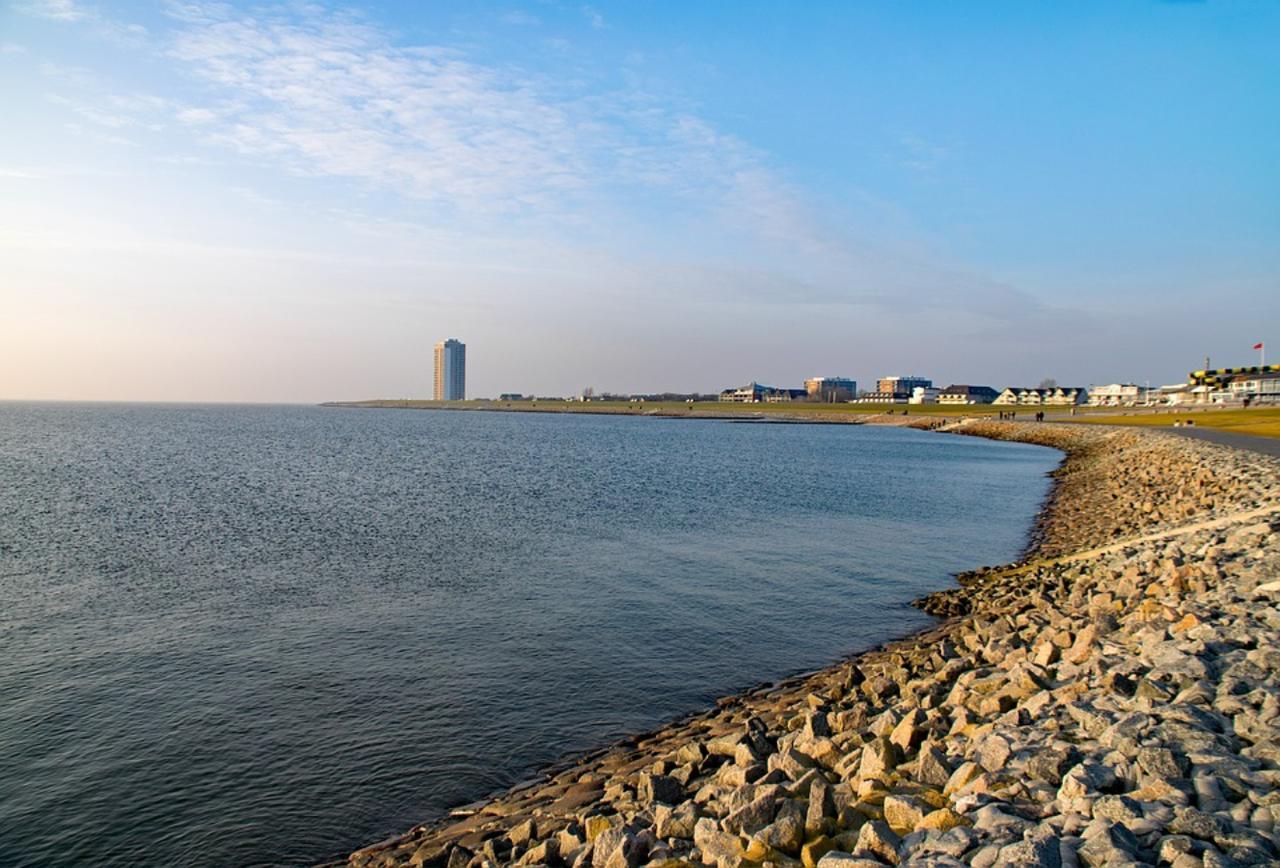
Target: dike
column 1111, row 699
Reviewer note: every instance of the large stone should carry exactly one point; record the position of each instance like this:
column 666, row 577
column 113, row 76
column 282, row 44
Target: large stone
column 910, row 731
column 752, row 817
column 1197, row 824
column 1044, row 852
column 1110, row 845
column 1118, row 809
column 941, row 820
column 1048, row 765
column 815, row 849
column 717, row 847
column 994, row 752
column 595, row 825
column 836, row 859
column 903, row 813
column 932, row 767
column 1083, row 645
column 545, row 853
column 786, row 833
column 675, row 822
column 877, row 839
column 1087, row 778
column 659, row 788
column 964, row 775
column 821, row 808
column 879, row 758
column 522, row 833
column 614, row 848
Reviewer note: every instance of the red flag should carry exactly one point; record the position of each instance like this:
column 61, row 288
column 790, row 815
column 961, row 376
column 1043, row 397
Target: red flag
column 1257, row 346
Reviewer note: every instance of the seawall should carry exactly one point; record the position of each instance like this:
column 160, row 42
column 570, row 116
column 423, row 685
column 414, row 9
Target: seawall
column 1113, row 698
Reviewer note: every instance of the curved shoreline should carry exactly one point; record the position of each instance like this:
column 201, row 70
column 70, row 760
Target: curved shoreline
column 893, row 755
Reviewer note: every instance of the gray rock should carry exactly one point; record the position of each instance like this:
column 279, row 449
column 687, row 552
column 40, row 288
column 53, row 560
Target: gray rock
column 1111, row 844
column 1044, row 852
column 1159, row 762
column 932, row 767
column 752, row 817
column 879, row 757
column 717, row 847
column 1049, row 765
column 821, row 807
column 994, row 752
column 1197, row 824
column 659, row 788
column 1118, row 809
column 878, row 840
column 836, row 859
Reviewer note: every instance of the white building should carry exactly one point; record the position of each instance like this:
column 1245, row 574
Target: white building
column 1262, row 388
column 451, row 371
column 1058, row 396
column 1174, row 394
column 924, row 395
column 1117, row 395
column 964, row 394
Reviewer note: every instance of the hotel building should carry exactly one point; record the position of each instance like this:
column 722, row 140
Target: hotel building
column 451, row 371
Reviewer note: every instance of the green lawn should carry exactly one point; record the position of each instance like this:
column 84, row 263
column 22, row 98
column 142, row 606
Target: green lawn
column 1259, row 421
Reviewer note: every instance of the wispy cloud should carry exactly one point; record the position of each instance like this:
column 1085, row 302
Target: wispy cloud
column 594, row 18
column 74, row 12
column 322, row 93
column 58, row 10
column 327, row 93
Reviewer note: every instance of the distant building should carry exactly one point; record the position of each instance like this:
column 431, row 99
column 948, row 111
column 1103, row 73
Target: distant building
column 901, row 386
column 1173, row 394
column 1262, row 388
column 514, row 396
column 451, row 371
column 960, row 394
column 1058, row 396
column 755, row 393
column 1117, row 395
column 924, row 395
column 1254, row 384
column 881, row 398
column 830, row 389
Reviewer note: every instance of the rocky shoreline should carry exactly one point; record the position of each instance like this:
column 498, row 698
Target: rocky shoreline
column 1111, row 699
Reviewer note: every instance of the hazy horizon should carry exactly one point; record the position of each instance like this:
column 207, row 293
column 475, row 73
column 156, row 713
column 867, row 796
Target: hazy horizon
column 230, row 202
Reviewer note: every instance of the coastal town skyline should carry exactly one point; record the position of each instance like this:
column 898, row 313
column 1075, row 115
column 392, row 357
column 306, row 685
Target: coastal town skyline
column 225, row 202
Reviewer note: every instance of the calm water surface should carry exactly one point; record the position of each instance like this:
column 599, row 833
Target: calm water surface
column 269, row 635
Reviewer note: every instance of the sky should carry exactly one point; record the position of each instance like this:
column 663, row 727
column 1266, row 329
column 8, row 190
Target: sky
column 295, row 201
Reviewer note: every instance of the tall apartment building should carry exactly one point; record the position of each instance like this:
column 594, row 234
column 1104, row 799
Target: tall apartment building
column 451, row 371
column 902, row 387
column 831, row 388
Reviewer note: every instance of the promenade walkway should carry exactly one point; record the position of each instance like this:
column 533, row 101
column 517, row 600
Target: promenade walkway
column 1264, row 445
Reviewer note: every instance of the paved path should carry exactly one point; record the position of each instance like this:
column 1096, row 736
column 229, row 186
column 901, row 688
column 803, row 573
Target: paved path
column 1265, row 445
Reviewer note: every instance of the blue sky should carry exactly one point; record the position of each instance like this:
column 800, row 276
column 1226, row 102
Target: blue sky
column 294, row 201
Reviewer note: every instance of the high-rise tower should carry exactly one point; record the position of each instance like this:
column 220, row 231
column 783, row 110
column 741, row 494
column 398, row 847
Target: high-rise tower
column 451, row 370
